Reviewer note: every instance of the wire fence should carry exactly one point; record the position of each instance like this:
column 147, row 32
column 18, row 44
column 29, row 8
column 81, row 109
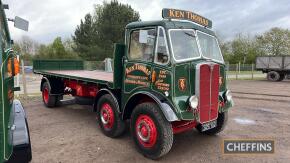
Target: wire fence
column 243, row 71
column 241, row 67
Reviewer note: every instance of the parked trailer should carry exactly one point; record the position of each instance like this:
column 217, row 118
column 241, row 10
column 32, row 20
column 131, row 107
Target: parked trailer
column 276, row 67
column 168, row 77
column 15, row 143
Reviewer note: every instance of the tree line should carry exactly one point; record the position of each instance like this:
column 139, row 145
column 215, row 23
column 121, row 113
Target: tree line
column 94, row 37
column 245, row 48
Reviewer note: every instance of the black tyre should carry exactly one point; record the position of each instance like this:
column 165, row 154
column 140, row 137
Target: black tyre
column 273, row 76
column 48, row 99
column 152, row 133
column 221, row 123
column 109, row 118
column 282, row 77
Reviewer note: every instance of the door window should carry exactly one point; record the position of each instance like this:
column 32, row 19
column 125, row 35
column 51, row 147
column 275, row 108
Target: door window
column 142, row 44
column 162, row 55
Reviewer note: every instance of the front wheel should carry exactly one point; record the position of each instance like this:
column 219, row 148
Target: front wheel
column 221, row 123
column 152, row 133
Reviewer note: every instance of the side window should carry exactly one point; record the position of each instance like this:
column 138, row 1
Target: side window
column 142, row 44
column 162, row 54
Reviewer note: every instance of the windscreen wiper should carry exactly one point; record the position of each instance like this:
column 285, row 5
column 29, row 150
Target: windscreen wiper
column 189, row 34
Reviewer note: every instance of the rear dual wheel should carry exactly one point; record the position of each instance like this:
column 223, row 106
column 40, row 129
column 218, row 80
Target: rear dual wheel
column 152, row 133
column 275, row 76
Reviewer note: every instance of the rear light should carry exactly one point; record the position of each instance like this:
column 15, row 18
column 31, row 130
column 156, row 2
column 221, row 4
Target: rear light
column 12, row 71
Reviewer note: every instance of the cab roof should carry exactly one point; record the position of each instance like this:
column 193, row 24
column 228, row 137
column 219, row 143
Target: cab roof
column 170, row 24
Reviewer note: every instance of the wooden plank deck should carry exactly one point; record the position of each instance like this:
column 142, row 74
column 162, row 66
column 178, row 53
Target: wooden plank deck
column 94, row 75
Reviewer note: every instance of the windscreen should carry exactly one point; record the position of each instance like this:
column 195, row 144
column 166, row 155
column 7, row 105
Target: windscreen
column 184, row 44
column 209, row 47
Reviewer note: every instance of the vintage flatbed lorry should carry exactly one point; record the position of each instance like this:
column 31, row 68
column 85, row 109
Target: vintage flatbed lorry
column 15, row 143
column 168, row 77
column 276, row 67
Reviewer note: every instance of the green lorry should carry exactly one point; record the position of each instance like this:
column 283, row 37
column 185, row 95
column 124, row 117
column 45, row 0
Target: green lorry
column 168, row 77
column 15, row 143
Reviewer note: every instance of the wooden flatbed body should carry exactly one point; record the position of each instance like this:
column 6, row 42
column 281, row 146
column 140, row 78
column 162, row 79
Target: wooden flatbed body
column 83, row 75
column 72, row 70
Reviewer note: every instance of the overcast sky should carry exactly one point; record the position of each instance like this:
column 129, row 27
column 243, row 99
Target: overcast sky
column 51, row 18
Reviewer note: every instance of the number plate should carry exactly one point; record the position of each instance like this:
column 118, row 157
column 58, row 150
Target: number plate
column 208, row 125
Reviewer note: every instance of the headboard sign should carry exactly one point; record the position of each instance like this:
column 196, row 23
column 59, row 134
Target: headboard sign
column 186, row 15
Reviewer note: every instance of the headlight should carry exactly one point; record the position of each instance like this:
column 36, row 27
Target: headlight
column 193, row 102
column 228, row 95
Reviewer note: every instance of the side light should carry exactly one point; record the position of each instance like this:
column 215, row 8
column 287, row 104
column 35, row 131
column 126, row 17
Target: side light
column 193, row 102
column 228, row 95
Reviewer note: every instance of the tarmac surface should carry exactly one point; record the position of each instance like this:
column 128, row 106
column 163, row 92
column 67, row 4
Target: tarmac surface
column 69, row 133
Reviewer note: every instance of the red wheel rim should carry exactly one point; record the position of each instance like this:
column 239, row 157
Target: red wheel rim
column 146, row 131
column 107, row 116
column 45, row 94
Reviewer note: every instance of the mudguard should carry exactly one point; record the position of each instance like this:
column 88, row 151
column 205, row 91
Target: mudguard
column 163, row 105
column 21, row 138
column 103, row 91
column 54, row 83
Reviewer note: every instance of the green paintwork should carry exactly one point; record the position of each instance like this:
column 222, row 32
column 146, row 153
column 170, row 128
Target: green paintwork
column 183, row 71
column 118, row 65
column 163, row 80
column 58, row 65
column 144, row 80
column 132, row 77
column 6, row 86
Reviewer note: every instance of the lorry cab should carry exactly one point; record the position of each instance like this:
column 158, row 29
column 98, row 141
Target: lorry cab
column 179, row 61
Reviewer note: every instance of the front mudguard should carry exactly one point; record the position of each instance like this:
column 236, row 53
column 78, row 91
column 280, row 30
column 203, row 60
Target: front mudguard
column 21, row 138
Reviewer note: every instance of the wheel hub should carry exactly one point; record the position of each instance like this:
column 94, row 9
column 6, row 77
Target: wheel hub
column 107, row 116
column 45, row 94
column 146, row 131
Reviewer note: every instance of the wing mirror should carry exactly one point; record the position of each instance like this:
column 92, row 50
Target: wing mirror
column 21, row 23
column 18, row 22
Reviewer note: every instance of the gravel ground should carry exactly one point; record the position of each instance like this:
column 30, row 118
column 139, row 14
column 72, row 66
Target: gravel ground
column 69, row 133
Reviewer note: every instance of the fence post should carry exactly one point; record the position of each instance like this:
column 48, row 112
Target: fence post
column 23, row 79
column 228, row 70
column 252, row 71
column 237, row 70
column 239, row 67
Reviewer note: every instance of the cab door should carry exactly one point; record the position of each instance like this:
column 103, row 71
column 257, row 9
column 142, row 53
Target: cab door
column 138, row 61
column 161, row 69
